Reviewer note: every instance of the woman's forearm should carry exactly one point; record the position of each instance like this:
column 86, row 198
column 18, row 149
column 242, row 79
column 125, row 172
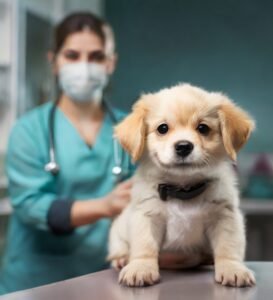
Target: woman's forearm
column 87, row 212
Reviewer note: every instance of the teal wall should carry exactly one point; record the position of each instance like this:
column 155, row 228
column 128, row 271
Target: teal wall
column 222, row 45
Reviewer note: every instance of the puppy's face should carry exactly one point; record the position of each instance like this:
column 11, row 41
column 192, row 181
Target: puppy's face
column 183, row 130
column 184, row 127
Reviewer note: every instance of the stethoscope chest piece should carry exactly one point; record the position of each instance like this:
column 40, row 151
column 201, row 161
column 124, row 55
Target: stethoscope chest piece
column 117, row 170
column 52, row 167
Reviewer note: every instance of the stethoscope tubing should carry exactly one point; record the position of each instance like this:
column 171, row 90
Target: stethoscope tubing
column 53, row 167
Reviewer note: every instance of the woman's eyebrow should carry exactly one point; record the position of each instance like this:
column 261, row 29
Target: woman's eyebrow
column 72, row 50
column 96, row 51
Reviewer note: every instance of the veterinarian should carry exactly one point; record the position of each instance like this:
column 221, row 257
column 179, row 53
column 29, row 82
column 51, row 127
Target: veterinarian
column 67, row 175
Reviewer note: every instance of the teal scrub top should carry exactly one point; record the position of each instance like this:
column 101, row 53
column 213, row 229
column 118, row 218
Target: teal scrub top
column 34, row 255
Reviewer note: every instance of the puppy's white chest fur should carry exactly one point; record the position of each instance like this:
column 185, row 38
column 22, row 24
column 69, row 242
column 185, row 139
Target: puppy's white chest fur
column 184, row 227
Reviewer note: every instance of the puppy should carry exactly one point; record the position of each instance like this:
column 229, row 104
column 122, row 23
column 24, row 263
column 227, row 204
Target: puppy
column 185, row 197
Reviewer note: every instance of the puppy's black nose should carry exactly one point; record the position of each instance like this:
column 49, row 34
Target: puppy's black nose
column 183, row 148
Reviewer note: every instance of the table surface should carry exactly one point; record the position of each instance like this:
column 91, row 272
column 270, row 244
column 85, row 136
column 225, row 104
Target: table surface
column 192, row 284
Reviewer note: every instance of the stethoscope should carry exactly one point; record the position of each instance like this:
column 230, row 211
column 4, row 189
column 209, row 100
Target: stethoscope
column 53, row 167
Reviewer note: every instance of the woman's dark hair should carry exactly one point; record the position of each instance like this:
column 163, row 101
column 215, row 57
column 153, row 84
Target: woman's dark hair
column 74, row 23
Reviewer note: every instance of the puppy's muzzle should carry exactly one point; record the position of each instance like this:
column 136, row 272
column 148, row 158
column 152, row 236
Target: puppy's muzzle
column 183, row 148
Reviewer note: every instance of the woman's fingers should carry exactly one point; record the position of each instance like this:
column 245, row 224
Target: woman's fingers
column 120, row 196
column 124, row 188
column 127, row 184
column 124, row 196
column 124, row 192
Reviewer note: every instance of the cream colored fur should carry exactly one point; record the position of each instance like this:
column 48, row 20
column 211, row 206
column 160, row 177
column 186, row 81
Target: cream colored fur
column 210, row 224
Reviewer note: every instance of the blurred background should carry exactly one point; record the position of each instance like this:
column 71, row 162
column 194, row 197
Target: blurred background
column 223, row 45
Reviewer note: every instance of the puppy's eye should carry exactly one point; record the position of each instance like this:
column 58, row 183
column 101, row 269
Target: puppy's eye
column 163, row 128
column 203, row 129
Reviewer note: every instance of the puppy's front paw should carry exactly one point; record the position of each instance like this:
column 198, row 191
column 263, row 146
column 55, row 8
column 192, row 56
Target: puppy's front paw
column 140, row 272
column 232, row 273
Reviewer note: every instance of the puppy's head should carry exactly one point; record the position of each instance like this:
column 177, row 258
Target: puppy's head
column 184, row 126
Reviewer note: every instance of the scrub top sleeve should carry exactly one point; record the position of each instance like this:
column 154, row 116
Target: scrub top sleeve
column 59, row 217
column 31, row 188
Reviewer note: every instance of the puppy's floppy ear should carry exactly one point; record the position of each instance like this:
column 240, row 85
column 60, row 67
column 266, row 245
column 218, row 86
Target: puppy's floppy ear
column 236, row 126
column 131, row 132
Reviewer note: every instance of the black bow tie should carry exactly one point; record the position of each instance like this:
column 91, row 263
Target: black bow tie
column 183, row 193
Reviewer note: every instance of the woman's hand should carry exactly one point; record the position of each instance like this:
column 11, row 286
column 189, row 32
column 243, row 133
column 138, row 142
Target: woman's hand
column 118, row 199
column 87, row 212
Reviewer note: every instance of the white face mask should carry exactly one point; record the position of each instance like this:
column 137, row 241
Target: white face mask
column 83, row 82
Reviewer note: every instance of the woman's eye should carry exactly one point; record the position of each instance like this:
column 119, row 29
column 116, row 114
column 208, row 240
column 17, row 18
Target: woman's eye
column 203, row 129
column 97, row 56
column 71, row 55
column 163, row 128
